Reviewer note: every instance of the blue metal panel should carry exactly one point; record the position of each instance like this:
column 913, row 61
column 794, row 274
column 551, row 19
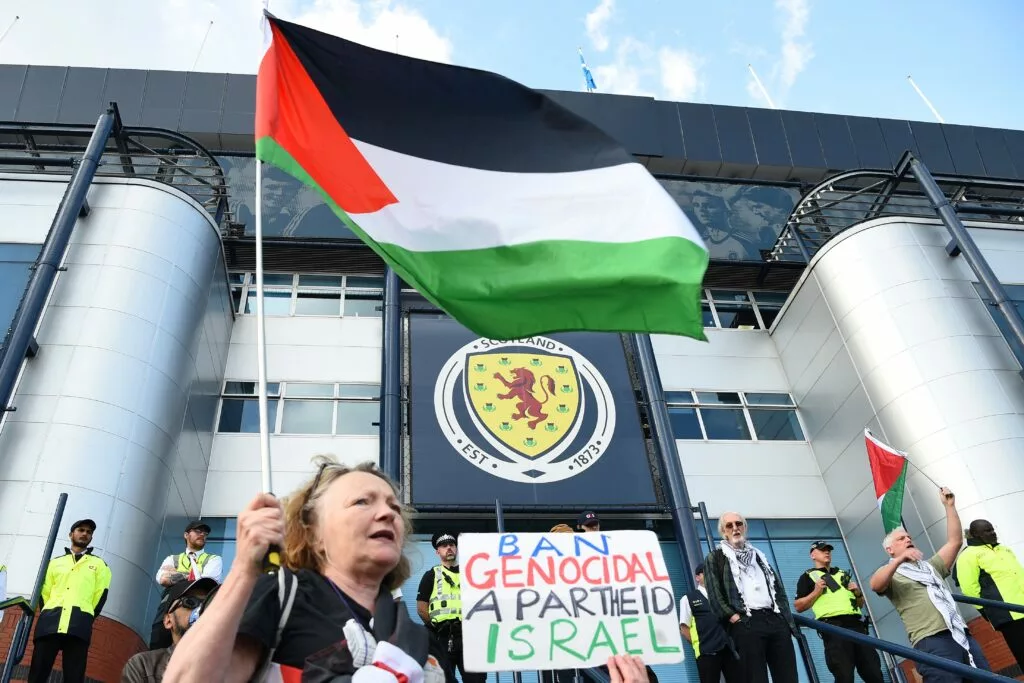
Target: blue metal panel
column 898, row 139
column 239, row 106
column 161, row 105
column 703, row 152
column 963, row 149
column 670, row 133
column 630, row 120
column 81, row 101
column 995, row 153
column 11, row 80
column 931, row 147
column 1015, row 147
column 868, row 142
column 126, row 87
column 836, row 142
column 40, row 95
column 734, row 136
column 802, row 135
column 769, row 136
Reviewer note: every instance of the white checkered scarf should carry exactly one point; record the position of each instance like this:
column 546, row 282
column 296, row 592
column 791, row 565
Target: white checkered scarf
column 745, row 560
column 924, row 573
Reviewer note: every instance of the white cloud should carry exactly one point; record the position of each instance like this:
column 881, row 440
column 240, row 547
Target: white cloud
column 168, row 34
column 596, row 21
column 795, row 52
column 680, row 77
column 633, row 66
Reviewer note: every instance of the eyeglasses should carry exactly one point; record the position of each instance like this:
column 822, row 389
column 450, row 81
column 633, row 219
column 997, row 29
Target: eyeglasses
column 188, row 602
column 734, row 525
column 201, row 532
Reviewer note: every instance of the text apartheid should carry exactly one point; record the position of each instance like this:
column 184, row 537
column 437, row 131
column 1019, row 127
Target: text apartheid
column 562, row 601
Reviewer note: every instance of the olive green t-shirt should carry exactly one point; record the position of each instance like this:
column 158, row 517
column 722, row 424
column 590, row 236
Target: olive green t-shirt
column 910, row 598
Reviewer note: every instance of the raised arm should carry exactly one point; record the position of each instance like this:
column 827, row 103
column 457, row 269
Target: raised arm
column 883, row 575
column 211, row 650
column 954, row 530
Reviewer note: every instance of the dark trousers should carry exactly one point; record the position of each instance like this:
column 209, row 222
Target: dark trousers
column 76, row 654
column 451, row 646
column 1013, row 634
column 943, row 645
column 842, row 656
column 763, row 641
column 711, row 666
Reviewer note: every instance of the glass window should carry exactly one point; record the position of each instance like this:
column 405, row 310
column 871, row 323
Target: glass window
column 707, row 315
column 678, row 397
column 768, row 399
column 318, row 303
column 270, row 279
column 309, row 390
column 320, row 281
column 275, row 302
column 16, row 262
column 719, row 397
column 359, row 391
column 236, row 299
column 236, row 278
column 242, row 415
column 307, row 417
column 364, row 282
column 685, row 424
column 725, row 423
column 736, row 316
column 362, row 305
column 358, row 418
column 249, row 388
column 733, row 295
column 776, row 425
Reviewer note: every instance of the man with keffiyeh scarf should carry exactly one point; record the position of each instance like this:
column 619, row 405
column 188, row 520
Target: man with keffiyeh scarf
column 915, row 587
column 748, row 596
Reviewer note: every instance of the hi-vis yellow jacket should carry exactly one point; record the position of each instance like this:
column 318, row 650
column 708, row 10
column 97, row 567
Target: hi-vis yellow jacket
column 992, row 572
column 73, row 594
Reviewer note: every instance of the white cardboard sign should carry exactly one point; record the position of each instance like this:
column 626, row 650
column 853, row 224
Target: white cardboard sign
column 565, row 601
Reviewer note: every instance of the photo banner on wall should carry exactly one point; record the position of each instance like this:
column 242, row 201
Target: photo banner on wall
column 540, row 421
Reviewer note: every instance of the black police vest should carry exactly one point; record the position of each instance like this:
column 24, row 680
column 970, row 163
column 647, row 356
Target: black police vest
column 709, row 629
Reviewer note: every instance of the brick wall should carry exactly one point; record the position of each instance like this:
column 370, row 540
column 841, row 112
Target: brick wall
column 992, row 644
column 112, row 645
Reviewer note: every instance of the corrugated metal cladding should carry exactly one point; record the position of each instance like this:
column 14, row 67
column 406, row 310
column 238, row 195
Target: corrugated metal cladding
column 670, row 137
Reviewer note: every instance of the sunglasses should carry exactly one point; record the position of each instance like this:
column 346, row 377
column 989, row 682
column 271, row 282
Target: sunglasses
column 188, row 602
column 734, row 525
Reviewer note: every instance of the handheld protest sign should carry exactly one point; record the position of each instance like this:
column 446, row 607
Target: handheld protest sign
column 565, row 601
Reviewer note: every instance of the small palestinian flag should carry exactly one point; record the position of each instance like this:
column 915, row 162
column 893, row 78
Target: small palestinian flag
column 889, row 472
column 503, row 208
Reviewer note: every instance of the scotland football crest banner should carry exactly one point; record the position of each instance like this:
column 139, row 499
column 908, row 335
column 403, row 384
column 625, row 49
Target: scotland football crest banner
column 546, row 420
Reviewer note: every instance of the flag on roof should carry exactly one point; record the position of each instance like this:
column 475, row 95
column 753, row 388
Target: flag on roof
column 588, row 78
column 889, row 472
column 511, row 213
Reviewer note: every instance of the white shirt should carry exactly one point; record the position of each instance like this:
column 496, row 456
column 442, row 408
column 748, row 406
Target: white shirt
column 685, row 613
column 754, row 588
column 213, row 569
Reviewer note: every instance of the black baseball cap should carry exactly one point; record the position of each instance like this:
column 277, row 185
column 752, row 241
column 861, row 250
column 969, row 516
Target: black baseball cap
column 179, row 589
column 197, row 524
column 821, row 545
column 441, row 538
column 84, row 523
column 588, row 517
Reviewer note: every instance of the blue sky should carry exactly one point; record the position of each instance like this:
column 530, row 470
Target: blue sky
column 813, row 55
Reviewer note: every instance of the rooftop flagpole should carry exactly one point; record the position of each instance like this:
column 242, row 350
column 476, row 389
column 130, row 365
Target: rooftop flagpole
column 935, row 112
column 760, row 86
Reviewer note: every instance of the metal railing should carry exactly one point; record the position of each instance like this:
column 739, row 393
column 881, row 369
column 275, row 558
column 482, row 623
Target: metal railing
column 131, row 152
column 847, row 199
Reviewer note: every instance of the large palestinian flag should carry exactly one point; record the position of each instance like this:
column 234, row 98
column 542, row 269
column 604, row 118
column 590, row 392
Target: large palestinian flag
column 889, row 475
column 511, row 213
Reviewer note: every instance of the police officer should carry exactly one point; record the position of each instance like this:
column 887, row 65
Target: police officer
column 986, row 569
column 439, row 604
column 835, row 599
column 712, row 646
column 193, row 564
column 73, row 594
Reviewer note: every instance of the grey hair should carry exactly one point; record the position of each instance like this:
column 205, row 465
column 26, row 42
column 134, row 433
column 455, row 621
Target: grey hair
column 887, row 541
column 721, row 521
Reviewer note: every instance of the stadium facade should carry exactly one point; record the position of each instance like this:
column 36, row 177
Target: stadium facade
column 832, row 304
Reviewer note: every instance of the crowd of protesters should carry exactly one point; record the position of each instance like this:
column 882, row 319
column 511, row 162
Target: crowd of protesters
column 333, row 611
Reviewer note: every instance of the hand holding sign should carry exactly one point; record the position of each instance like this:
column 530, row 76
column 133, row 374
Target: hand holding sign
column 561, row 601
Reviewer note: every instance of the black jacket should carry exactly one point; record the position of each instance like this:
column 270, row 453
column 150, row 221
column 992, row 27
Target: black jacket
column 725, row 596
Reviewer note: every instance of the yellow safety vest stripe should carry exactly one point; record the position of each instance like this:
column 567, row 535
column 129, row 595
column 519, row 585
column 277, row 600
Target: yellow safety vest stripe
column 446, row 597
column 833, row 603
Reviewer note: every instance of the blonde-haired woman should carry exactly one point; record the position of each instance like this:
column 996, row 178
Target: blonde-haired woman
column 343, row 535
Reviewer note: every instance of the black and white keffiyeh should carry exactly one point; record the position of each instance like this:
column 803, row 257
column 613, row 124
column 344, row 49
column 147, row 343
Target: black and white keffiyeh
column 924, row 573
column 747, row 564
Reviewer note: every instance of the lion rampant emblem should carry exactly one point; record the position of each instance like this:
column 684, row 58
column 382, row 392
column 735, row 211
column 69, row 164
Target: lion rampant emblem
column 521, row 389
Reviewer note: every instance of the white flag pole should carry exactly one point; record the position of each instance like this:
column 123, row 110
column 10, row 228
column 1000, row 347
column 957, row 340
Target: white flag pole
column 760, row 86
column 935, row 112
column 261, row 331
